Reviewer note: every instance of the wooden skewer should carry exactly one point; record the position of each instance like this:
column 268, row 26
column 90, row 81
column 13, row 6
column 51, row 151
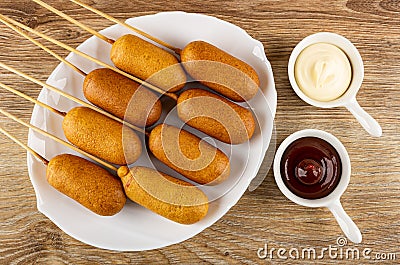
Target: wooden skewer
column 113, row 19
column 97, row 61
column 26, row 147
column 55, row 138
column 32, row 99
column 68, row 96
column 19, row 31
column 73, row 21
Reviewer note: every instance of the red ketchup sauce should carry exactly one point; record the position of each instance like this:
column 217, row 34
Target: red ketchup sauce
column 311, row 168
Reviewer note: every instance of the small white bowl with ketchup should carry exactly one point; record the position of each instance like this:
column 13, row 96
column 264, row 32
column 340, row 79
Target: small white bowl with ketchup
column 326, row 70
column 312, row 168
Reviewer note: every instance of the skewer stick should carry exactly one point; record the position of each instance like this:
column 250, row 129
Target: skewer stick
column 113, row 19
column 68, row 96
column 55, row 138
column 58, row 57
column 97, row 61
column 32, row 99
column 73, row 21
column 26, row 147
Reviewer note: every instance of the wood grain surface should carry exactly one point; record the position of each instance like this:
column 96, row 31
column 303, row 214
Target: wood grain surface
column 264, row 215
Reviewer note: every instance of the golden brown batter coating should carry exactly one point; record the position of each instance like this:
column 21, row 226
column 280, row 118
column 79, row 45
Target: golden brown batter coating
column 227, row 77
column 216, row 116
column 87, row 183
column 172, row 198
column 113, row 92
column 189, row 155
column 144, row 59
column 101, row 136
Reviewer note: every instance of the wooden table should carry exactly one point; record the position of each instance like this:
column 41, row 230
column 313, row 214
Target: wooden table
column 263, row 216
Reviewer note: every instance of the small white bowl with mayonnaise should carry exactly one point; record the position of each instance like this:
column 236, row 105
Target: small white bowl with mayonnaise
column 326, row 70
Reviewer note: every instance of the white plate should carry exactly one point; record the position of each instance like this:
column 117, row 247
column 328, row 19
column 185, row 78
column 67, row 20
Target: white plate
column 136, row 228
